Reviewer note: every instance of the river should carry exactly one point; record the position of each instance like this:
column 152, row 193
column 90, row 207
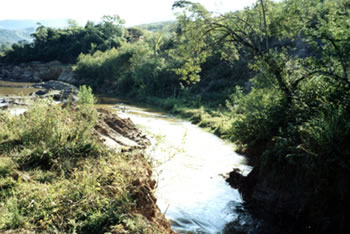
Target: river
column 189, row 165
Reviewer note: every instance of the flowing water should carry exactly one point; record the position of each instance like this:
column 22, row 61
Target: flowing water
column 189, row 163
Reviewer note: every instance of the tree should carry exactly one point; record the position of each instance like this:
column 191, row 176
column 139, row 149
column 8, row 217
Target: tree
column 112, row 27
column 239, row 33
column 133, row 34
column 73, row 24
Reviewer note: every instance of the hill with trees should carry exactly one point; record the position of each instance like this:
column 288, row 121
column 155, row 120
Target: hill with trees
column 9, row 37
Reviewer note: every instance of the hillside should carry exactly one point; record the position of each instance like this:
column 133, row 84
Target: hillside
column 12, row 36
column 12, row 31
column 158, row 26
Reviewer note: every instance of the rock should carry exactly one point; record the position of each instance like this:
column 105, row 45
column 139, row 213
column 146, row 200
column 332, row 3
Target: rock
column 36, row 77
column 36, row 71
column 235, row 178
column 41, row 92
column 27, row 75
column 62, row 91
column 67, row 76
column 54, row 63
column 17, row 73
column 57, row 85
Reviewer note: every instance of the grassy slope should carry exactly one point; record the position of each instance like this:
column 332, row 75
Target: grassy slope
column 55, row 176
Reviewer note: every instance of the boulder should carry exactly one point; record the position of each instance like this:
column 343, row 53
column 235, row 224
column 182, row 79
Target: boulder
column 67, row 76
column 58, row 90
column 41, row 92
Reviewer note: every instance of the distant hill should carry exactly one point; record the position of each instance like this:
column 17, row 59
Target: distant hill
column 164, row 26
column 23, row 24
column 12, row 36
column 12, row 31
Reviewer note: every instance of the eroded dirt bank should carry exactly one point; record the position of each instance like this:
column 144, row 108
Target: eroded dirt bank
column 122, row 134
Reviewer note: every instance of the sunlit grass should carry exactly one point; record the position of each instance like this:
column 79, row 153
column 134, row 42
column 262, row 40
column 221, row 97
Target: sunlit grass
column 56, row 177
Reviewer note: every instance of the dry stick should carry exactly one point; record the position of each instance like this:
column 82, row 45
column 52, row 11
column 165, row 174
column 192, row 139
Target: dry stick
column 166, row 210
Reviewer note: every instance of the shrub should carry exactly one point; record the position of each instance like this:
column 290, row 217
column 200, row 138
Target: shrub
column 55, row 177
column 48, row 132
column 256, row 116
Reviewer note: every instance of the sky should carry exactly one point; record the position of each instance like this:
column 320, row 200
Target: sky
column 132, row 11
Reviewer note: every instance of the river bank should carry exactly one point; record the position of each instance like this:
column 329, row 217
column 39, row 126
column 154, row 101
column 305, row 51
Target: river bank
column 72, row 168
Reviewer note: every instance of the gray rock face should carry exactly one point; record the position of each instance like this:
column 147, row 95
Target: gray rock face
column 67, row 76
column 38, row 72
column 58, row 89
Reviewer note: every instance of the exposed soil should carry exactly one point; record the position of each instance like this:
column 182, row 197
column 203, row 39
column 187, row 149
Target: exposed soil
column 118, row 133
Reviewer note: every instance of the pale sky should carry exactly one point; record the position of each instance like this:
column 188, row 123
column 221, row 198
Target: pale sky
column 132, row 11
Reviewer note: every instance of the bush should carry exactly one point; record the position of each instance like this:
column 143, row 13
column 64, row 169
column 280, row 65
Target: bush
column 327, row 135
column 256, row 116
column 85, row 96
column 48, row 132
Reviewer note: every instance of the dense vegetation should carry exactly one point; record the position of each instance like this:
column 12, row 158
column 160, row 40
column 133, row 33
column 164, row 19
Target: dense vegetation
column 274, row 78
column 66, row 44
column 56, row 176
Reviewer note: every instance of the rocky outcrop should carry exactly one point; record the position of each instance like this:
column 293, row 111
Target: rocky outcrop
column 57, row 89
column 38, row 72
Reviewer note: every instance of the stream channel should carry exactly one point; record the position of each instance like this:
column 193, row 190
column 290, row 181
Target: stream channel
column 189, row 164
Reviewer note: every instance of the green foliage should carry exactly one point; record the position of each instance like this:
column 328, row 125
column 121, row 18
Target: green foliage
column 257, row 115
column 6, row 167
column 293, row 115
column 326, row 134
column 165, row 26
column 55, row 176
column 47, row 133
column 66, row 44
column 132, row 69
column 85, row 96
column 94, row 198
column 291, row 57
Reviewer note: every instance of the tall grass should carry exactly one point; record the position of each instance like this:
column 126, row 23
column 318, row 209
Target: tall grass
column 56, row 177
